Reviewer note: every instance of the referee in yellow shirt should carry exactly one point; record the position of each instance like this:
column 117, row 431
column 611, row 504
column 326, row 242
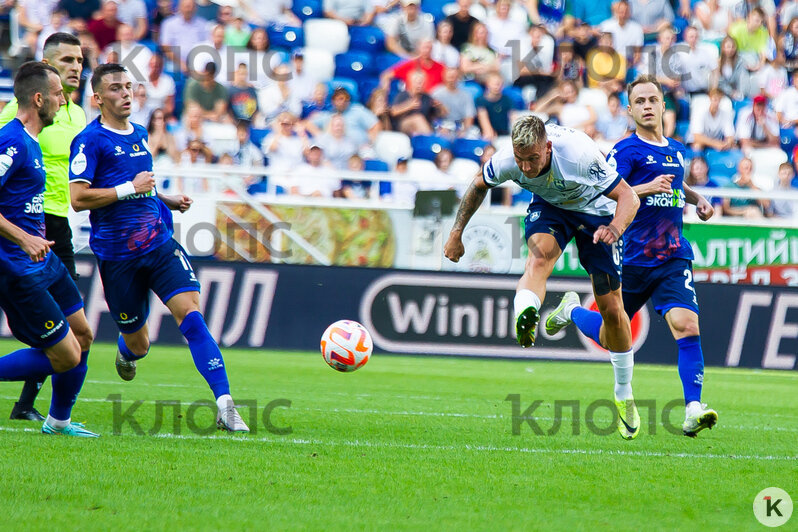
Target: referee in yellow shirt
column 61, row 50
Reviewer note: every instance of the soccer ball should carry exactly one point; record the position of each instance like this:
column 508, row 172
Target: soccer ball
column 346, row 345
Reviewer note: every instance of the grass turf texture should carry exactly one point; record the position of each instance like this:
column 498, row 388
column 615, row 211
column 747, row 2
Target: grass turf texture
column 405, row 443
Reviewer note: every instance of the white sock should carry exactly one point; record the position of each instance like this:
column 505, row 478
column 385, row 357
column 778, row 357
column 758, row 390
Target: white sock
column 57, row 423
column 223, row 401
column 623, row 366
column 524, row 299
column 568, row 310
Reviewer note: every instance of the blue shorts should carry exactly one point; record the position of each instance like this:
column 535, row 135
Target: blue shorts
column 37, row 304
column 127, row 283
column 564, row 225
column 668, row 286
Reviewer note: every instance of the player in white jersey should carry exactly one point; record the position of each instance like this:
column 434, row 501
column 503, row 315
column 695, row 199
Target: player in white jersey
column 578, row 195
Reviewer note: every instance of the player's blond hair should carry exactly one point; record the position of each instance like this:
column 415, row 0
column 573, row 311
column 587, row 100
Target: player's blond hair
column 528, row 131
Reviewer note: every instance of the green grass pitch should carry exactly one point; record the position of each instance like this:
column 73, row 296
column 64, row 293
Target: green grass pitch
column 406, row 443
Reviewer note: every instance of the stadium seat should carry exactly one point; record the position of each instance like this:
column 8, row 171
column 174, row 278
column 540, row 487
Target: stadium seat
column 469, row 148
column 595, row 98
column 766, row 166
column 326, row 34
column 386, row 60
column 320, row 62
column 788, row 141
column 435, row 8
column 473, row 88
column 366, row 39
column 428, row 146
column 221, row 138
column 391, row 145
column 722, row 164
column 356, row 65
column 515, row 94
column 375, row 165
column 349, row 84
column 421, row 169
column 683, row 113
column 464, row 168
column 366, row 86
column 256, row 136
column 305, row 9
column 285, row 36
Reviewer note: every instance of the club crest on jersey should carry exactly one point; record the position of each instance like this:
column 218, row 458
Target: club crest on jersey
column 533, row 216
column 596, row 171
column 7, row 159
column 78, row 165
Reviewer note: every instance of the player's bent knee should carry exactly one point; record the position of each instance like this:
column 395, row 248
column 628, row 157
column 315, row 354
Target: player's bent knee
column 65, row 355
column 85, row 338
column 686, row 328
column 139, row 345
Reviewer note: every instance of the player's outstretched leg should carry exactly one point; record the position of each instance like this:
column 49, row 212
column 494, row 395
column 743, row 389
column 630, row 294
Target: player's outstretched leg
column 24, row 408
column 691, row 372
column 561, row 316
column 67, row 384
column 210, row 363
column 527, row 316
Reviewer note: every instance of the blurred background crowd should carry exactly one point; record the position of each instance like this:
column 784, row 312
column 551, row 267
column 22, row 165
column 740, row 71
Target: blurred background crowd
column 431, row 87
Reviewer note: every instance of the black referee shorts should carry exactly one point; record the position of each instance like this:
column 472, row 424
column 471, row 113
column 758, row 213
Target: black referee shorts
column 56, row 228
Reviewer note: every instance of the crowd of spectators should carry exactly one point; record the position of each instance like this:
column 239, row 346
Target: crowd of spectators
column 446, row 74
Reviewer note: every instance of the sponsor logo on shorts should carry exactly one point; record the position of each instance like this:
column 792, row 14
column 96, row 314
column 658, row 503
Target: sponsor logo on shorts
column 52, row 328
column 125, row 320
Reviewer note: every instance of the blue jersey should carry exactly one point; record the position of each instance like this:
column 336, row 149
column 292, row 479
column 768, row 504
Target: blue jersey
column 22, row 177
column 105, row 158
column 655, row 236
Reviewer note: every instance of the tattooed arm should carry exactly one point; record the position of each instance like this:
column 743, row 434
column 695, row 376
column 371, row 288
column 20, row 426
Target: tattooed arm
column 471, row 201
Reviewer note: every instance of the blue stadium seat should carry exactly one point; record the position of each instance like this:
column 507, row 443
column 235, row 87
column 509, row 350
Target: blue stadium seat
column 256, row 136
column 366, row 39
column 396, row 86
column 349, row 84
column 285, row 36
column 366, row 86
column 435, row 8
column 515, row 94
column 375, row 165
column 788, row 141
column 739, row 106
column 681, row 129
column 683, row 115
column 722, row 164
column 473, row 88
column 305, row 9
column 428, row 146
column 386, row 60
column 469, row 148
column 355, row 65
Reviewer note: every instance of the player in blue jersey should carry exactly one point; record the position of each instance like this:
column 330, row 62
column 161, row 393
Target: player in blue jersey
column 41, row 302
column 131, row 235
column 657, row 262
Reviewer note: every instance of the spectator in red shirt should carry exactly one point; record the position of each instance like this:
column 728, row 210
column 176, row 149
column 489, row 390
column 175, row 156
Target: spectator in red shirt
column 424, row 62
column 104, row 28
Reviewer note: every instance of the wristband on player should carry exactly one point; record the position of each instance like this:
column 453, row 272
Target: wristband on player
column 125, row 189
column 614, row 231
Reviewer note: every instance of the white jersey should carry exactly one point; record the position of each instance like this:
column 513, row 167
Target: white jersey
column 578, row 177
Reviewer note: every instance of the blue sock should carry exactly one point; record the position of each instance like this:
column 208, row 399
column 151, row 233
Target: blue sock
column 691, row 367
column 127, row 354
column 25, row 364
column 66, row 387
column 206, row 353
column 587, row 321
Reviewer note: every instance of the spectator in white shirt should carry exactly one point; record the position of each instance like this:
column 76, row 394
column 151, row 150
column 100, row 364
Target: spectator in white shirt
column 351, row 12
column 786, row 105
column 502, row 28
column 714, row 128
column 134, row 14
column 442, row 50
column 627, row 35
column 160, row 87
column 696, row 64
